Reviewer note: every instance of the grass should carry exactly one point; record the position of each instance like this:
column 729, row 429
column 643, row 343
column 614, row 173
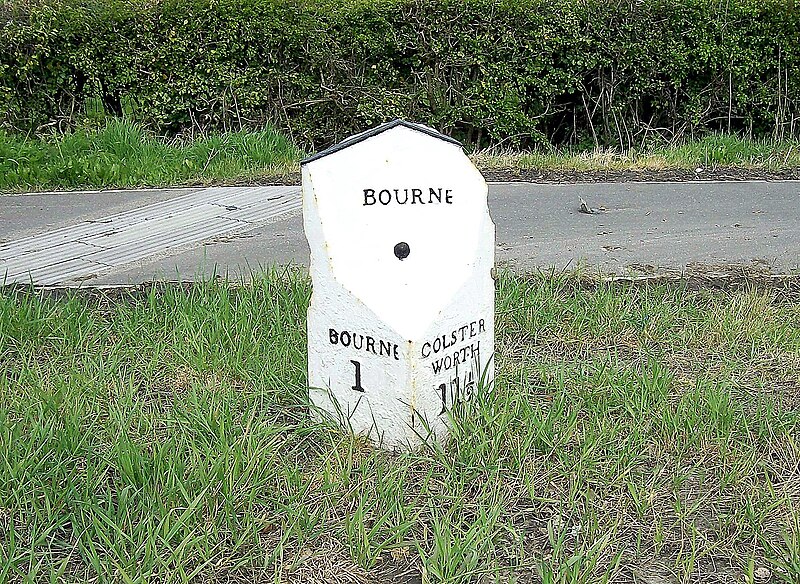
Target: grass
column 639, row 434
column 709, row 153
column 121, row 154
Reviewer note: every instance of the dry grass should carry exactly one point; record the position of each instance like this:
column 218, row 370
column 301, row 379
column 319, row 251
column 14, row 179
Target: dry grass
column 706, row 154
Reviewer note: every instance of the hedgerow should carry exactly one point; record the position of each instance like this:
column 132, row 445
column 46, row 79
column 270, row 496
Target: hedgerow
column 510, row 72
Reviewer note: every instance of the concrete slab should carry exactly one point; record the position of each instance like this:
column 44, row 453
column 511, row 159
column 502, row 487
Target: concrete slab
column 136, row 233
column 234, row 256
column 35, row 213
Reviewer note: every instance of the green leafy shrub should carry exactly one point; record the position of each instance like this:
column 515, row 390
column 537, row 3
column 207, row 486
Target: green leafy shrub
column 509, row 72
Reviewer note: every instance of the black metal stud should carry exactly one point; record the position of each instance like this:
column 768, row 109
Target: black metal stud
column 401, row 250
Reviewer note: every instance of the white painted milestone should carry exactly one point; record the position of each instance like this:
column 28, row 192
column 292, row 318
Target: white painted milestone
column 401, row 320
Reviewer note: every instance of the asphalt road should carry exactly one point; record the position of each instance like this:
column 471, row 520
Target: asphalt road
column 128, row 237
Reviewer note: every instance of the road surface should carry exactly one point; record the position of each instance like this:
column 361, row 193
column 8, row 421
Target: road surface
column 129, row 237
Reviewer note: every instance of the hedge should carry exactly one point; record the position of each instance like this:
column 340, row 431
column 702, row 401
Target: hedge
column 513, row 72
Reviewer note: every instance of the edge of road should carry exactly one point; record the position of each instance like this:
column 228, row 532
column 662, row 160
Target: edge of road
column 188, row 188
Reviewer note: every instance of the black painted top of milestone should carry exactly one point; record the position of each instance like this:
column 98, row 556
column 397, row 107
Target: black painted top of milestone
column 374, row 132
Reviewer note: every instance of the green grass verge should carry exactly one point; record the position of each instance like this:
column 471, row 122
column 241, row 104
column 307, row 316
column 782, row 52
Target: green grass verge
column 634, row 434
column 121, row 154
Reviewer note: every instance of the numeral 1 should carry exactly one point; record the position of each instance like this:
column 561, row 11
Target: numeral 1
column 357, row 386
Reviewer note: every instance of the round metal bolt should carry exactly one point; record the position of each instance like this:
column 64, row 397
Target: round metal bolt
column 401, row 250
